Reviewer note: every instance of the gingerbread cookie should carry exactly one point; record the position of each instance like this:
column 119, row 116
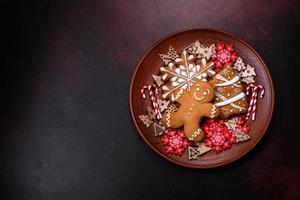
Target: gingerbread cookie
column 194, row 105
column 182, row 73
column 230, row 97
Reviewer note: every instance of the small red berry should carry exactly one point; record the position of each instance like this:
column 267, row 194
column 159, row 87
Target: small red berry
column 217, row 149
column 169, row 149
column 206, row 128
column 227, row 135
column 233, row 56
column 185, row 143
column 232, row 140
column 181, row 134
column 208, row 143
column 230, row 47
column 219, row 129
column 219, row 46
column 177, row 151
column 171, row 132
column 218, row 64
column 226, row 145
column 165, row 140
column 209, row 133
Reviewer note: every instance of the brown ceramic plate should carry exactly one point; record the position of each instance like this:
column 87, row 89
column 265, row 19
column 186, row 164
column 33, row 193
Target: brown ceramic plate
column 150, row 65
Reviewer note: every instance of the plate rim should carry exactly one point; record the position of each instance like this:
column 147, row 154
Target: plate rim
column 230, row 161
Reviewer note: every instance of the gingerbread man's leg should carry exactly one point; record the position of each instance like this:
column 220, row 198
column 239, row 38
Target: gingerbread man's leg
column 193, row 131
column 192, row 125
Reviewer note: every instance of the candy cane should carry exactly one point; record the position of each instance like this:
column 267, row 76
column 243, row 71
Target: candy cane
column 150, row 88
column 254, row 89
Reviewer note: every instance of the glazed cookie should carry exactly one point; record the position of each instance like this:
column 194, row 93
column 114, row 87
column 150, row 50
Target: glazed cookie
column 194, row 105
column 229, row 95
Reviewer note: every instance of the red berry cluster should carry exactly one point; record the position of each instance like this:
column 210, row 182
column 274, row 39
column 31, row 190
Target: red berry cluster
column 219, row 137
column 175, row 141
column 225, row 55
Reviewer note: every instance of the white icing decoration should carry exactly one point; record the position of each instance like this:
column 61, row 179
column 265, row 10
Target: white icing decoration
column 219, row 77
column 198, row 98
column 186, row 73
column 178, row 60
column 212, row 115
column 231, row 82
column 164, row 76
column 168, row 119
column 165, row 87
column 231, row 100
column 201, row 98
column 195, row 134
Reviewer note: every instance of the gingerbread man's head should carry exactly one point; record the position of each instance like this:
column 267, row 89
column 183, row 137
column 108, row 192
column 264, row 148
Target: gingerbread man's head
column 202, row 91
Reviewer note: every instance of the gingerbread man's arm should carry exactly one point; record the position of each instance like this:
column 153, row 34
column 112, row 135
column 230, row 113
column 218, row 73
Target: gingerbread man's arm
column 185, row 96
column 173, row 119
column 209, row 110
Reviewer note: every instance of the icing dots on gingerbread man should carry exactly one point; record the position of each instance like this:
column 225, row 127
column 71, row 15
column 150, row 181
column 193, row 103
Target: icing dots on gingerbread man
column 194, row 105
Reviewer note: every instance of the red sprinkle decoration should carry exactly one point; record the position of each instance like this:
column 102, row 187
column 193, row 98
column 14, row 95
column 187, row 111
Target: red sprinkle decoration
column 225, row 55
column 218, row 136
column 175, row 142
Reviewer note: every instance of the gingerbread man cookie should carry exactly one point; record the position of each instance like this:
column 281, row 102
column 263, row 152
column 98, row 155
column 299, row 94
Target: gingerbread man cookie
column 194, row 105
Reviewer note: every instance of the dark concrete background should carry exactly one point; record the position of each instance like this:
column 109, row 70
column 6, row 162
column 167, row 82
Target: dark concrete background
column 65, row 126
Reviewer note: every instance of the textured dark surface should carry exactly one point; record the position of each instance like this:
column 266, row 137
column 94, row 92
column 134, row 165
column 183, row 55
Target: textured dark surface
column 66, row 131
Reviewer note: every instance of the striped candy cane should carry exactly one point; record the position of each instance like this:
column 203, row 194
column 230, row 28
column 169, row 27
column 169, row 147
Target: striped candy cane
column 253, row 89
column 150, row 88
